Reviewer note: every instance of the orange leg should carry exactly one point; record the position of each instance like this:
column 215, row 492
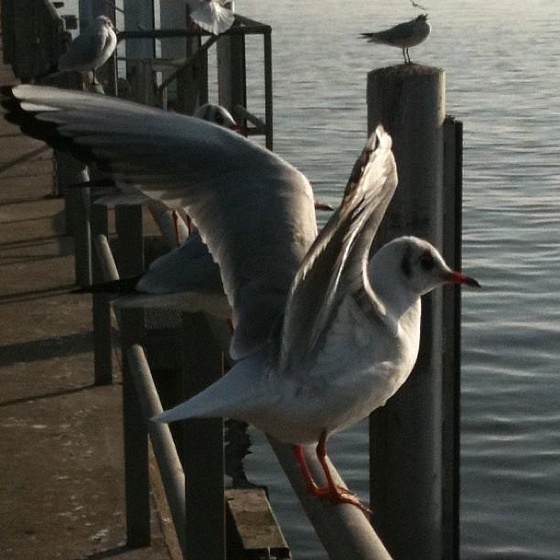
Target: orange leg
column 331, row 492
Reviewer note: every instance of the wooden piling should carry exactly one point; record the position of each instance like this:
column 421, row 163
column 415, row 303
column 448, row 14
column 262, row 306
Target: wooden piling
column 406, row 434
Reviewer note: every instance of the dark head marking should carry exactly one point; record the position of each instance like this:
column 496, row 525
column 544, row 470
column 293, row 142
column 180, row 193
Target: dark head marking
column 426, row 260
column 406, row 266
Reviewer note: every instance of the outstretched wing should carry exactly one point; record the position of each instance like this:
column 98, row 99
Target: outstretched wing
column 254, row 211
column 211, row 16
column 336, row 264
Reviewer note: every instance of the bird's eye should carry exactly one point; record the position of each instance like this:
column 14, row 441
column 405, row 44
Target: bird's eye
column 426, row 261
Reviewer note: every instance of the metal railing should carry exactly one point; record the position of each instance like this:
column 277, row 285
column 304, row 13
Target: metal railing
column 191, row 72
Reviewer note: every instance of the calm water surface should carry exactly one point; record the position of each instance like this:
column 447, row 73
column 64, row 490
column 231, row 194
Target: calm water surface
column 501, row 60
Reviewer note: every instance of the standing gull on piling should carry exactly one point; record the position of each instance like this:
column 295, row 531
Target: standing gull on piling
column 90, row 50
column 404, row 35
column 323, row 335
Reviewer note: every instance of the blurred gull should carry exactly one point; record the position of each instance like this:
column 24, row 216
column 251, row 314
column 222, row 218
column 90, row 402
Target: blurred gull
column 404, row 35
column 211, row 15
column 322, row 336
column 91, row 49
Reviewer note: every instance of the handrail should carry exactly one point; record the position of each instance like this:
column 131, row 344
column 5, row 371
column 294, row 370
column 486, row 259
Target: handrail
column 164, row 448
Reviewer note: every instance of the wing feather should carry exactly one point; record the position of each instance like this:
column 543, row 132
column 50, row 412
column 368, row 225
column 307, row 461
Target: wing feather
column 254, row 210
column 336, row 264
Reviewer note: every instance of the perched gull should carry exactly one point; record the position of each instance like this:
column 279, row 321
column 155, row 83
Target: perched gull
column 211, row 15
column 404, row 35
column 91, row 49
column 322, row 336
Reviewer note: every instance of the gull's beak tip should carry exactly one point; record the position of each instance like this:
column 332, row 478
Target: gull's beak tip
column 460, row 278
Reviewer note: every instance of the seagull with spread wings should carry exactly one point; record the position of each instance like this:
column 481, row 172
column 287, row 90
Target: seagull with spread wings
column 324, row 334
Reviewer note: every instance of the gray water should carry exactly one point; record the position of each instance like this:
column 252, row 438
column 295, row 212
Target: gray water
column 501, row 61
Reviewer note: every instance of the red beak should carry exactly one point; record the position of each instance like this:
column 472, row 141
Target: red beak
column 459, row 278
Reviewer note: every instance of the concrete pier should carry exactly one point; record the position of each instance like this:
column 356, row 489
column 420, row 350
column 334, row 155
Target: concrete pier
column 62, row 489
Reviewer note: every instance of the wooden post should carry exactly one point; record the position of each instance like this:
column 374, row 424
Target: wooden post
column 406, row 434
column 203, row 453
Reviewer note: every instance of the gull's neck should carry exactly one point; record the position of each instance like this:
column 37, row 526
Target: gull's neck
column 388, row 283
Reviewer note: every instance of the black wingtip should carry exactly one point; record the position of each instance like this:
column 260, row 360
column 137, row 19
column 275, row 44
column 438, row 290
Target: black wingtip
column 7, row 97
column 41, row 129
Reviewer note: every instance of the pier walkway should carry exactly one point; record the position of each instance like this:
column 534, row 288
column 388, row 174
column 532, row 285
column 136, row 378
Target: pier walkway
column 61, row 464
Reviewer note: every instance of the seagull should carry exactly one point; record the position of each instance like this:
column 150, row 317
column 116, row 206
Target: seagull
column 323, row 335
column 403, row 35
column 211, row 15
column 91, row 49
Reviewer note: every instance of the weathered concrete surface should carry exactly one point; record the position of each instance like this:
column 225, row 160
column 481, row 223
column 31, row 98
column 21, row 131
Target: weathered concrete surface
column 61, row 464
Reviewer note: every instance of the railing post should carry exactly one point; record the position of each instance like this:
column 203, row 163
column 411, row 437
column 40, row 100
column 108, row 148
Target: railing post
column 451, row 386
column 406, row 434
column 104, row 269
column 137, row 477
column 192, row 82
column 231, row 72
column 81, row 209
column 130, row 243
column 202, row 454
column 268, row 112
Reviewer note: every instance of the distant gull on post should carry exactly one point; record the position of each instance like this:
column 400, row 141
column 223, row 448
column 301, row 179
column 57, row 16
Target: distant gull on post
column 91, row 49
column 403, row 36
column 323, row 335
column 211, row 15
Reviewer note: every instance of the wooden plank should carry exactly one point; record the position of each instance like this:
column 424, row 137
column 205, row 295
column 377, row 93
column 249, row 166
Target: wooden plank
column 252, row 527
